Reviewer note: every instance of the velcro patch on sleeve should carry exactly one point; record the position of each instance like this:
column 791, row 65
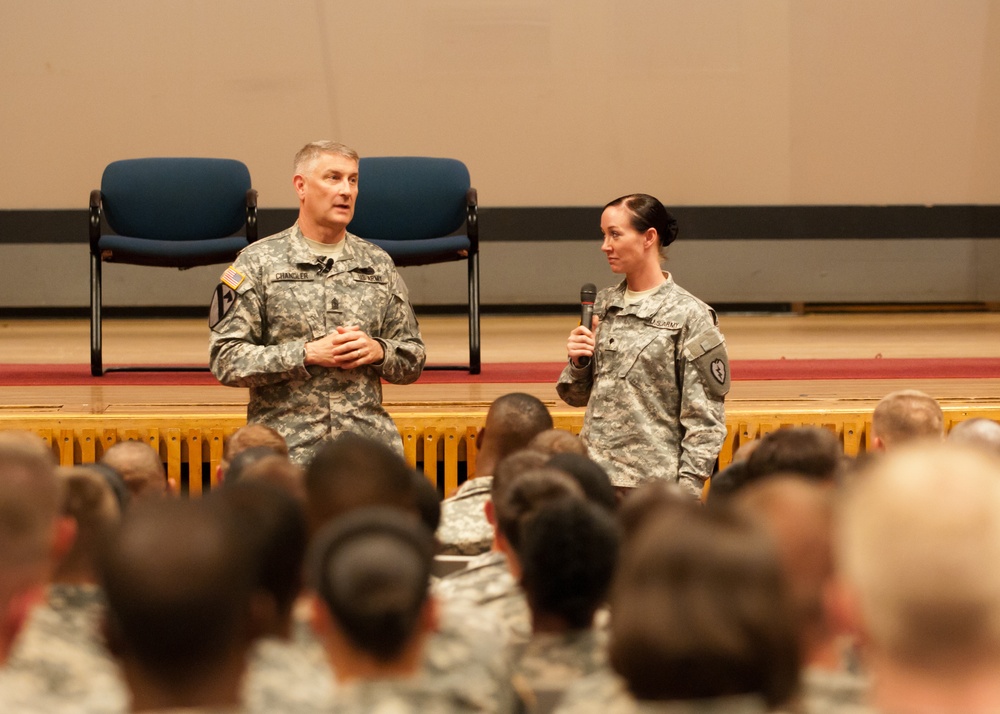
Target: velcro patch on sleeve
column 232, row 277
column 707, row 353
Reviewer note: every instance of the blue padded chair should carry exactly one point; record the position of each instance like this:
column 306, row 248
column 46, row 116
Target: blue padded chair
column 413, row 208
column 171, row 213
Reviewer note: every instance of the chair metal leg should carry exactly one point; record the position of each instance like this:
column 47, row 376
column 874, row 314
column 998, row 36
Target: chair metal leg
column 96, row 363
column 474, row 346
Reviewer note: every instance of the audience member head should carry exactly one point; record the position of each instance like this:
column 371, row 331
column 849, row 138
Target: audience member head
column 273, row 526
column 32, row 536
column 278, row 471
column 651, row 500
column 591, row 477
column 114, row 481
column 984, row 433
column 558, row 441
column 905, row 416
column 371, row 570
column 179, row 585
column 567, row 553
column 245, row 459
column 505, row 473
column 811, row 451
column 249, row 437
column 141, row 468
column 28, row 440
column 699, row 610
column 728, row 481
column 512, row 421
column 919, row 532
column 798, row 513
column 353, row 472
column 90, row 502
column 528, row 492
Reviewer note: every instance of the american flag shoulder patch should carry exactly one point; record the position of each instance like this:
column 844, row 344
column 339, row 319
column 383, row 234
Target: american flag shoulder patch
column 232, row 277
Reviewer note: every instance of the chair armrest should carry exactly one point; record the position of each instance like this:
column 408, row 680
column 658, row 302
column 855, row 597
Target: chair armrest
column 472, row 219
column 95, row 219
column 251, row 215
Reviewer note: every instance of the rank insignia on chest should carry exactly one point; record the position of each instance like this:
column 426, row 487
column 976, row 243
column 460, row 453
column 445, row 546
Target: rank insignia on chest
column 334, row 304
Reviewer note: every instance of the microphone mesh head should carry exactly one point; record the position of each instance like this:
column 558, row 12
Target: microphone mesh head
column 588, row 293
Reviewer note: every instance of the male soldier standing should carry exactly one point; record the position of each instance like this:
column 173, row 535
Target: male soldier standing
column 311, row 318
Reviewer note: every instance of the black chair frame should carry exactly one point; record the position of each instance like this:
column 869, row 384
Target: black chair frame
column 97, row 368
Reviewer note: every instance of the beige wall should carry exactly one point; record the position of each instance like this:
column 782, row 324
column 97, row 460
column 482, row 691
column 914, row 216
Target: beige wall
column 561, row 102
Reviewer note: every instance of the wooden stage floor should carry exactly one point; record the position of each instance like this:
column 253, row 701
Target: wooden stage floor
column 520, row 339
column 438, row 422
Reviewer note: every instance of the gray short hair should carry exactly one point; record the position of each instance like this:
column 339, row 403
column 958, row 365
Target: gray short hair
column 314, row 149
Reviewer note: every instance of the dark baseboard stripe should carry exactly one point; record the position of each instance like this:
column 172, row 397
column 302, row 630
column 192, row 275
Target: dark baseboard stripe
column 548, row 224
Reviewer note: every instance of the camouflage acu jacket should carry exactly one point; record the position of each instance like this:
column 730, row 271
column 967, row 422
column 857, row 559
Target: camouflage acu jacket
column 276, row 297
column 464, row 529
column 59, row 661
column 655, row 388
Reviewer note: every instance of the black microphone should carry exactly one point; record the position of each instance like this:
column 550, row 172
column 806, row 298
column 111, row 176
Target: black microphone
column 588, row 293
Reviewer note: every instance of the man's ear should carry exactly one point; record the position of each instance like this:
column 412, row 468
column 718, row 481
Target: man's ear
column 843, row 609
column 63, row 537
column 430, row 614
column 490, row 512
column 479, row 437
column 513, row 563
column 319, row 617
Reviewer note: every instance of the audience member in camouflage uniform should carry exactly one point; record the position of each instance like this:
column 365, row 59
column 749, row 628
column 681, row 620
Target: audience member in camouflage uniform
column 798, row 512
column 311, row 319
column 918, row 539
column 513, row 420
column 465, row 656
column 32, row 533
column 565, row 557
column 371, row 570
column 487, row 583
column 652, row 370
column 180, row 583
column 701, row 616
column 141, row 468
column 61, row 648
column 283, row 673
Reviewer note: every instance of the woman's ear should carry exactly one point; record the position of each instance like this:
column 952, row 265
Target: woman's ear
column 651, row 239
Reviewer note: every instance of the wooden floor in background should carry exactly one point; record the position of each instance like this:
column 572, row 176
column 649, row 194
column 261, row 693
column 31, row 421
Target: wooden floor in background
column 519, row 339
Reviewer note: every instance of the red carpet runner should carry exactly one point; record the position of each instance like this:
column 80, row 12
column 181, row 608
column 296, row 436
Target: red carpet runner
column 20, row 375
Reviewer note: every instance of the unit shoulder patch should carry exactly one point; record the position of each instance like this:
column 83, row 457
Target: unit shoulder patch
column 223, row 300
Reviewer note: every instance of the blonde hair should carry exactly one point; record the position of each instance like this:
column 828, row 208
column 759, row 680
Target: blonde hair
column 918, row 541
column 907, row 415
